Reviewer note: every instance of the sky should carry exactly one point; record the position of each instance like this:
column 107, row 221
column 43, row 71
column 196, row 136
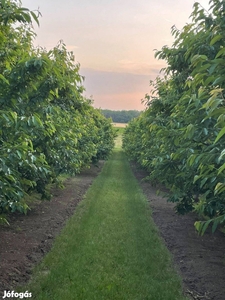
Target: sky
column 114, row 42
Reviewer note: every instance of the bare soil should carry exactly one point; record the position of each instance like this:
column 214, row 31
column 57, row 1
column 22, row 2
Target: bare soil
column 199, row 260
column 28, row 238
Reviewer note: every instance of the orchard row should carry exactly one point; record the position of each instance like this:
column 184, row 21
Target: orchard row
column 47, row 127
column 180, row 137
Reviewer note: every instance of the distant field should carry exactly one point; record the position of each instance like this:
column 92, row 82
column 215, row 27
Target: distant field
column 122, row 125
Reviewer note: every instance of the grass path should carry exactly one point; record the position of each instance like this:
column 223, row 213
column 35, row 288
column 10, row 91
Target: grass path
column 110, row 248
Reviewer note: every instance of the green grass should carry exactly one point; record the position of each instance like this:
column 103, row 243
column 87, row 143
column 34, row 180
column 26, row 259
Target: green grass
column 118, row 130
column 118, row 140
column 110, row 248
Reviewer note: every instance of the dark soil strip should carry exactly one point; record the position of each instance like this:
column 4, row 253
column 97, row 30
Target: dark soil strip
column 199, row 260
column 29, row 238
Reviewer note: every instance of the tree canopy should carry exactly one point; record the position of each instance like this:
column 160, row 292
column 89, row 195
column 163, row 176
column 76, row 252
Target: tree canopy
column 47, row 127
column 183, row 130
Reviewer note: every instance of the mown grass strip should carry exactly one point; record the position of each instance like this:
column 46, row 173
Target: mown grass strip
column 110, row 248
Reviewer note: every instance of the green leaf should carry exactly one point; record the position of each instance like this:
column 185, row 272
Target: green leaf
column 212, row 69
column 221, row 52
column 196, row 178
column 203, row 182
column 205, row 130
column 217, row 81
column 11, row 178
column 220, row 134
column 218, row 188
column 221, row 169
column 205, row 226
column 197, row 225
column 191, row 159
column 190, row 131
column 19, row 154
column 215, row 225
column 35, row 17
column 201, row 226
column 221, row 155
column 216, row 39
column 4, row 79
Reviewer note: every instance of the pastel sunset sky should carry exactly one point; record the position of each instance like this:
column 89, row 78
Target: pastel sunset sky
column 114, row 42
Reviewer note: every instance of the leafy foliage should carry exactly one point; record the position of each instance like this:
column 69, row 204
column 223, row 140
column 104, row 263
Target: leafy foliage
column 47, row 127
column 183, row 128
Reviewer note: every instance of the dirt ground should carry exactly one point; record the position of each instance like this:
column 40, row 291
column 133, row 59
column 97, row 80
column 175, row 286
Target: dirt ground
column 199, row 260
column 30, row 237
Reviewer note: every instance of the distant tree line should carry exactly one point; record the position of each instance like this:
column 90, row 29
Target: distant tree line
column 120, row 116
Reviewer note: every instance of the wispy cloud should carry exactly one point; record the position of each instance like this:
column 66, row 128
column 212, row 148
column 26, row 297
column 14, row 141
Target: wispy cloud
column 71, row 48
column 116, row 90
column 141, row 68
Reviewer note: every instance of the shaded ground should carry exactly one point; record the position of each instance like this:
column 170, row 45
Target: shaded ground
column 199, row 260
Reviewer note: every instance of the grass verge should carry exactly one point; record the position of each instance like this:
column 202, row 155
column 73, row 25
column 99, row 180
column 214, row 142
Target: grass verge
column 110, row 248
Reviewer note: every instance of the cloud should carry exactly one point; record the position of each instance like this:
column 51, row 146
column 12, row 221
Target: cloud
column 127, row 101
column 71, row 47
column 104, row 82
column 117, row 90
column 139, row 67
